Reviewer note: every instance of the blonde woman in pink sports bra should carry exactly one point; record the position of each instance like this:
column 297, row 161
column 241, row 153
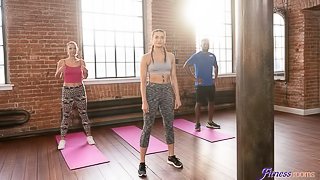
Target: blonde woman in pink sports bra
column 73, row 70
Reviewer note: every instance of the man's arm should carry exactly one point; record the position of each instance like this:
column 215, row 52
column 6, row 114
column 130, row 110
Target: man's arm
column 188, row 68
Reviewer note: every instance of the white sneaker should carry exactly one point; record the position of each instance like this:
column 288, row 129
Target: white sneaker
column 90, row 140
column 62, row 144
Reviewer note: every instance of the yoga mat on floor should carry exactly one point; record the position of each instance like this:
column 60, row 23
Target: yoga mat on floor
column 78, row 153
column 131, row 134
column 211, row 135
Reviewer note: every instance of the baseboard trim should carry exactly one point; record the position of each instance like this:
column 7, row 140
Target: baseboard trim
column 302, row 112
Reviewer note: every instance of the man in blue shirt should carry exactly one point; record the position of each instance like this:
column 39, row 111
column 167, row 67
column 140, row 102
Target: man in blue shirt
column 203, row 63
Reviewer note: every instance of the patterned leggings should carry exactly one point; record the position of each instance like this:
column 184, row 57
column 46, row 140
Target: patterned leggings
column 78, row 96
column 159, row 96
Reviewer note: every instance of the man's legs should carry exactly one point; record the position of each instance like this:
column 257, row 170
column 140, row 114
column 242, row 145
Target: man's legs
column 211, row 94
column 197, row 111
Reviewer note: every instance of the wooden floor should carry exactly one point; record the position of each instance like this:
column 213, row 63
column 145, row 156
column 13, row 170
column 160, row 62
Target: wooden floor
column 297, row 148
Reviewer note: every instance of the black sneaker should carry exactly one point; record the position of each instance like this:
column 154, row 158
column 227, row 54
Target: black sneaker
column 174, row 161
column 211, row 124
column 197, row 127
column 142, row 170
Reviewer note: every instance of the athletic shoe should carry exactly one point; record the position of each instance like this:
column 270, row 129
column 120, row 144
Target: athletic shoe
column 142, row 170
column 211, row 124
column 62, row 144
column 90, row 140
column 174, row 161
column 197, row 127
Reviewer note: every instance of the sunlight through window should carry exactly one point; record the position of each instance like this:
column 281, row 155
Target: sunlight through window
column 212, row 19
column 112, row 37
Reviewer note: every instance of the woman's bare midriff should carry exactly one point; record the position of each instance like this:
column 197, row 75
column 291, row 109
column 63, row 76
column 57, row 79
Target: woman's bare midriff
column 72, row 84
column 159, row 79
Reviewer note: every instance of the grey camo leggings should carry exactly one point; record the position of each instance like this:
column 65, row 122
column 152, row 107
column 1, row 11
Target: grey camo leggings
column 71, row 95
column 159, row 96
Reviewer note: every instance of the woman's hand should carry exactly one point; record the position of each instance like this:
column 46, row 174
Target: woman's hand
column 84, row 71
column 145, row 107
column 177, row 103
column 60, row 69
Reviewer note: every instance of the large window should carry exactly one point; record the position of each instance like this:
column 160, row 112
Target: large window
column 212, row 19
column 279, row 45
column 112, row 37
column 2, row 54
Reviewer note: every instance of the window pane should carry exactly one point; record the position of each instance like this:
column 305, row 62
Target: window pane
column 111, row 70
column 88, row 52
column 109, row 38
column 138, row 39
column 120, row 39
column 101, row 70
column 110, row 54
column 88, row 37
column 2, row 79
column 98, row 5
column 99, row 38
column 87, row 5
column 138, row 54
column 100, row 54
column 279, row 42
column 91, row 70
column 137, row 8
column 108, row 6
column 121, row 56
column 130, row 70
column 128, row 39
column 2, row 60
column 1, row 56
column 121, row 69
column 129, row 55
column 137, row 69
column 87, row 21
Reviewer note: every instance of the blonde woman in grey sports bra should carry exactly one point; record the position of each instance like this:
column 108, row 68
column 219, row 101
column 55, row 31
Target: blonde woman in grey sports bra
column 159, row 90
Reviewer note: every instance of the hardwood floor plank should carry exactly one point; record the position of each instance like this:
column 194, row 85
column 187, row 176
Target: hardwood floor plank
column 297, row 147
column 9, row 160
column 43, row 163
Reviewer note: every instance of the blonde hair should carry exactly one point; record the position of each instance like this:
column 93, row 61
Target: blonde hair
column 75, row 44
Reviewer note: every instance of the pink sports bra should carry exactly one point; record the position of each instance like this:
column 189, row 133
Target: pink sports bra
column 73, row 74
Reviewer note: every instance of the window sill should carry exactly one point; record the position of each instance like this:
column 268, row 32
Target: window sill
column 111, row 81
column 6, row 87
column 227, row 75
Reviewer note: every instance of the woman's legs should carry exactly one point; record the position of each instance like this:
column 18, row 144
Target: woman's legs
column 166, row 106
column 81, row 104
column 67, row 104
column 148, row 121
column 166, row 101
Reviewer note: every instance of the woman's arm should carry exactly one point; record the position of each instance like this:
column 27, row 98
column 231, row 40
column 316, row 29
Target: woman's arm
column 174, row 82
column 84, row 69
column 60, row 69
column 143, row 83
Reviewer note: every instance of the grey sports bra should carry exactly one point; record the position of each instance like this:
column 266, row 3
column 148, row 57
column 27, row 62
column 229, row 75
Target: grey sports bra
column 159, row 68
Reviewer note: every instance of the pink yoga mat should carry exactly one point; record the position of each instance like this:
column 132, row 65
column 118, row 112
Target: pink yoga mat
column 78, row 153
column 131, row 134
column 211, row 135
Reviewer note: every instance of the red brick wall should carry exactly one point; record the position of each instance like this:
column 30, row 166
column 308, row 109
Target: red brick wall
column 302, row 89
